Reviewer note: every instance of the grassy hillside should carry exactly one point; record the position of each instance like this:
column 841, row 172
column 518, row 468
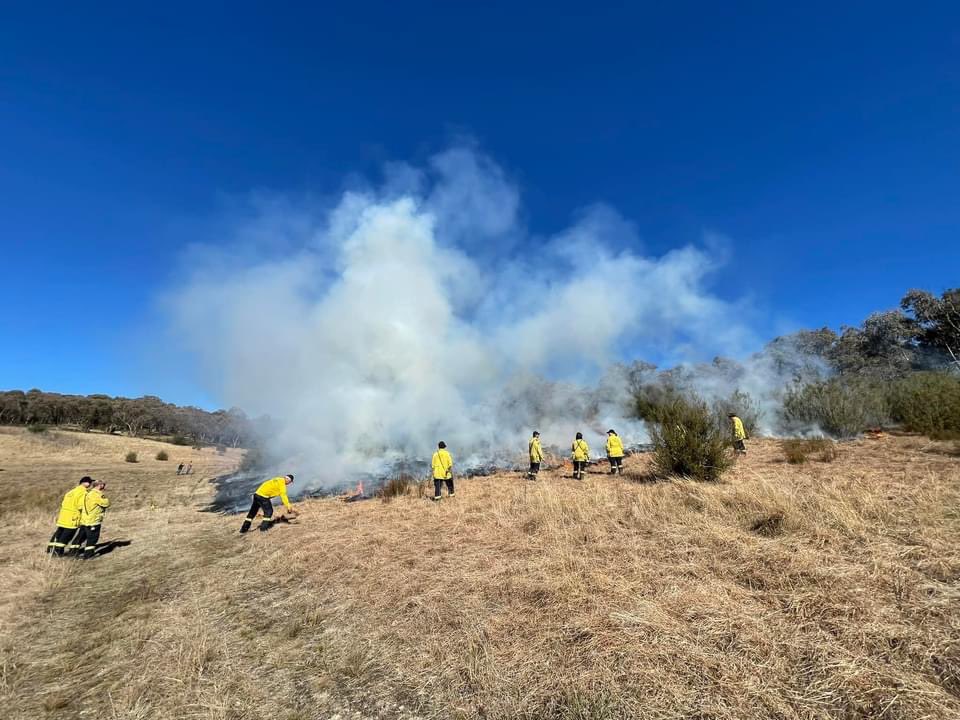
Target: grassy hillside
column 827, row 590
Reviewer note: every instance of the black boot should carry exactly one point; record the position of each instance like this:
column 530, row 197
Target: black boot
column 245, row 527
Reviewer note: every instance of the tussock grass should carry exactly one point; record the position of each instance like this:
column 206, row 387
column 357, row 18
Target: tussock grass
column 797, row 451
column 793, row 592
column 397, row 486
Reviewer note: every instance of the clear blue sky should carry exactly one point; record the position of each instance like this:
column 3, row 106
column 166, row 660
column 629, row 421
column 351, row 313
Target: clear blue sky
column 823, row 140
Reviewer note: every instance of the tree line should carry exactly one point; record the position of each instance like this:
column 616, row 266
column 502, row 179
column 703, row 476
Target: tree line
column 147, row 415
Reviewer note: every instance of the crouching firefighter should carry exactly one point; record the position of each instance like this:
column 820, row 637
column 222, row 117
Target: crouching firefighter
column 614, row 452
column 68, row 519
column 95, row 503
column 262, row 501
column 442, row 463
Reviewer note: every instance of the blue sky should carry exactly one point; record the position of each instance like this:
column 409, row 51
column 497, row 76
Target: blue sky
column 824, row 142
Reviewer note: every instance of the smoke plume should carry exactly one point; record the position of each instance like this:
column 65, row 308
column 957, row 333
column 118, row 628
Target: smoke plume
column 373, row 325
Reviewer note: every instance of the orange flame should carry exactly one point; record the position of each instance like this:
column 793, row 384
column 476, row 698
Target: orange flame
column 360, row 488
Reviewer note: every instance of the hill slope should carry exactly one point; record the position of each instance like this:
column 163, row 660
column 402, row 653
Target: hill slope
column 820, row 591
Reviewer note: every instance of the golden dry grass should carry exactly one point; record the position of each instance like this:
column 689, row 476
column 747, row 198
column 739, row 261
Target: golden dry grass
column 819, row 591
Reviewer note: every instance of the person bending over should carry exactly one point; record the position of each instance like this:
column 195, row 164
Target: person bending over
column 68, row 519
column 263, row 502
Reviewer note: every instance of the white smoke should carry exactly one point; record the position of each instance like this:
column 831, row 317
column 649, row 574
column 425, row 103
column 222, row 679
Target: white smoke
column 423, row 310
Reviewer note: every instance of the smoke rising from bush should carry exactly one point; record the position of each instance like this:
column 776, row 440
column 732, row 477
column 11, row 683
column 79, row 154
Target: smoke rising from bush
column 372, row 326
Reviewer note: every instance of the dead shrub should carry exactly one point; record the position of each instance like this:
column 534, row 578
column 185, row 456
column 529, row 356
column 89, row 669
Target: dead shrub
column 131, row 457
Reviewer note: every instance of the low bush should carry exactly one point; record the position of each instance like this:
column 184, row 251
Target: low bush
column 37, row 428
column 839, row 407
column 131, row 457
column 162, row 455
column 928, row 403
column 688, row 442
column 179, row 440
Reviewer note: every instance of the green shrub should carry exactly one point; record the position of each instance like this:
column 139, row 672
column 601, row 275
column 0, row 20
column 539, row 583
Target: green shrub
column 651, row 401
column 839, row 407
column 687, row 440
column 928, row 403
column 131, row 457
column 179, row 440
column 37, row 428
column 162, row 455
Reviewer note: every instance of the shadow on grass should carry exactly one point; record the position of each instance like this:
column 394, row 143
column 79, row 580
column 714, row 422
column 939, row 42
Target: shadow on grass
column 642, row 478
column 109, row 547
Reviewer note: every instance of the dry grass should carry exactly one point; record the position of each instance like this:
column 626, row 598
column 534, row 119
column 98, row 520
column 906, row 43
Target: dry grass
column 818, row 591
column 797, row 451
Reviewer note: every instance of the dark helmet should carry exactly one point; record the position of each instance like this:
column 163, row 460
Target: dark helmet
column 579, row 436
column 291, row 477
column 86, row 480
column 441, row 445
column 536, row 433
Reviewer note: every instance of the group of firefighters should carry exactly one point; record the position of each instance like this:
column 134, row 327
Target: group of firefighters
column 79, row 520
column 82, row 508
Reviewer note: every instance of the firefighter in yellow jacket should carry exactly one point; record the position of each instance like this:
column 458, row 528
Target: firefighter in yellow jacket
column 614, row 452
column 95, row 503
column 68, row 520
column 536, row 455
column 739, row 434
column 263, row 501
column 581, row 453
column 442, row 465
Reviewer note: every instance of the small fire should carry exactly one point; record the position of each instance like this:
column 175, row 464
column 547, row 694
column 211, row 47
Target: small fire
column 360, row 488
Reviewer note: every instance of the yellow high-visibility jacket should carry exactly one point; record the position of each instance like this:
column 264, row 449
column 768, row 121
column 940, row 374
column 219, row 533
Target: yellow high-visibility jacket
column 614, row 446
column 94, row 505
column 442, row 465
column 536, row 452
column 739, row 433
column 581, row 451
column 71, row 508
column 275, row 487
